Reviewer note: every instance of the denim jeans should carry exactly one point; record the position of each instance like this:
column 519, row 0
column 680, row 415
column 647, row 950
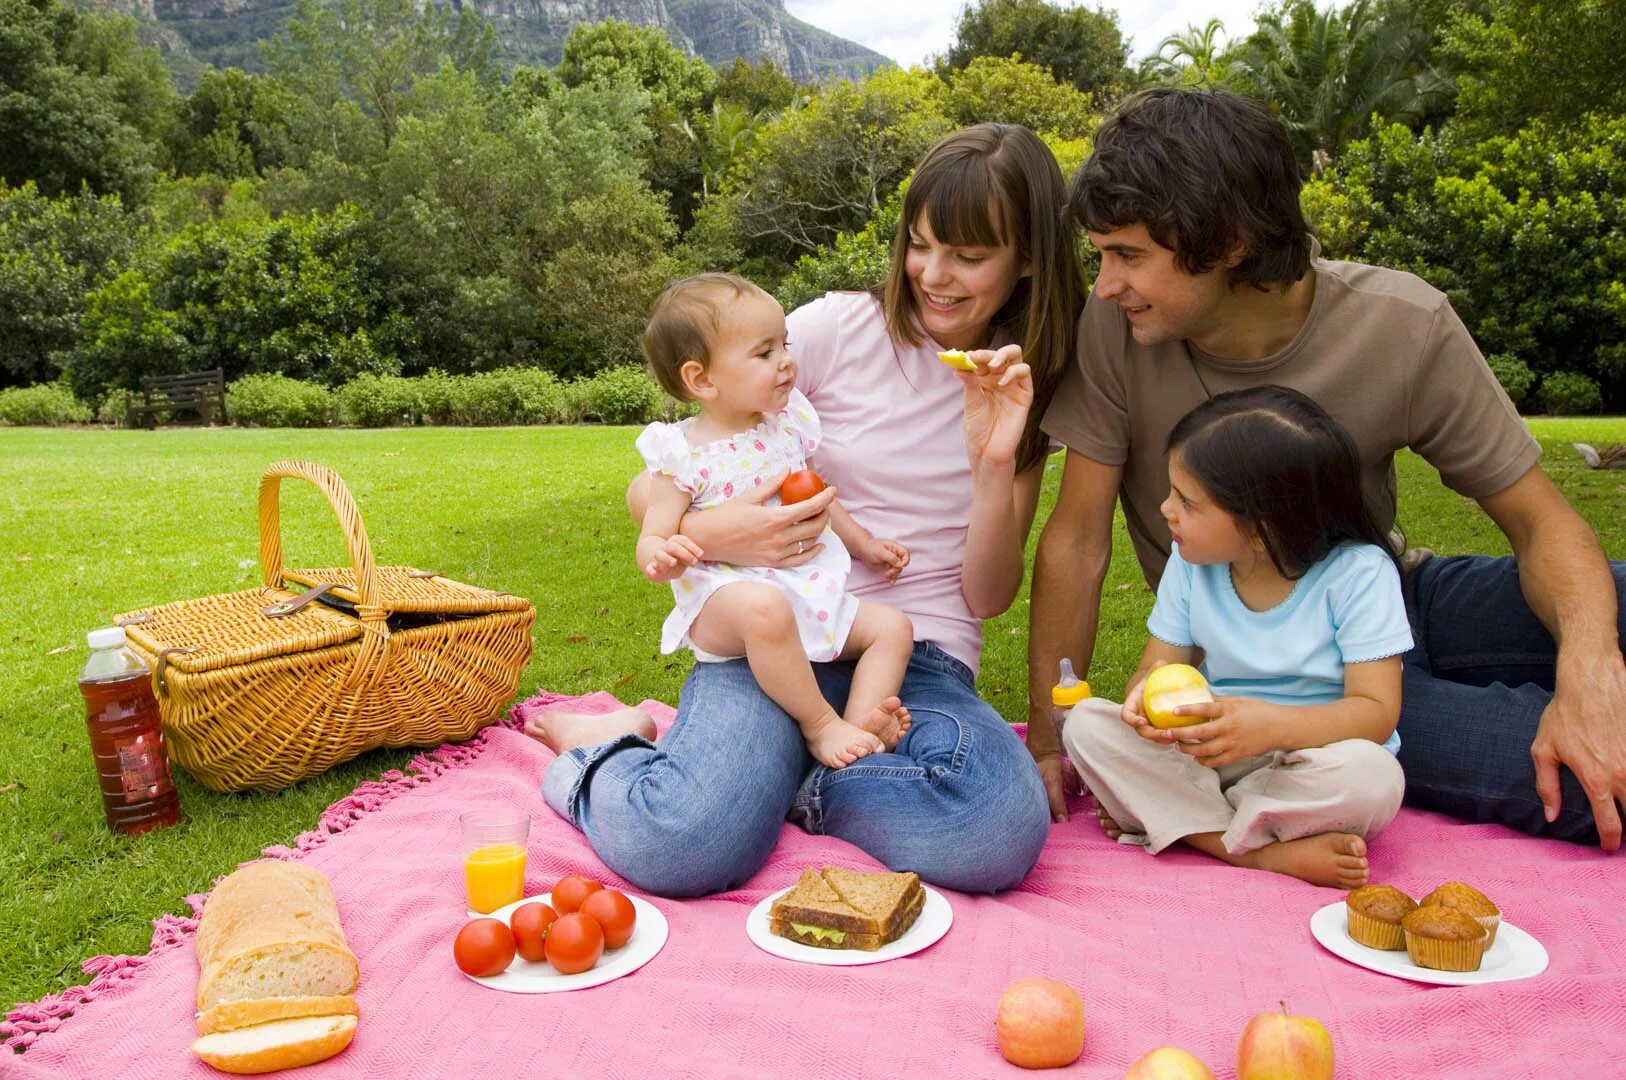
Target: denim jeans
column 959, row 801
column 1476, row 682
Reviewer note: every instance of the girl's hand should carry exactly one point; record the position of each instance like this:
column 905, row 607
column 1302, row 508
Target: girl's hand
column 670, row 558
column 1130, row 712
column 888, row 556
column 1236, row 728
column 997, row 398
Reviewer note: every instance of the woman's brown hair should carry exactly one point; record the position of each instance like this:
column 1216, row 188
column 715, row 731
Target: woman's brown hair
column 985, row 186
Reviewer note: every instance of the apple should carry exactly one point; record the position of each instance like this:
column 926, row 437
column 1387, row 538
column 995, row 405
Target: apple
column 1276, row 1046
column 1169, row 687
column 1169, row 1063
column 800, row 485
column 1040, row 1024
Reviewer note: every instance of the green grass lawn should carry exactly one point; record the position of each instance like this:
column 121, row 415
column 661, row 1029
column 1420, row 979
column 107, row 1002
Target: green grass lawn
column 97, row 522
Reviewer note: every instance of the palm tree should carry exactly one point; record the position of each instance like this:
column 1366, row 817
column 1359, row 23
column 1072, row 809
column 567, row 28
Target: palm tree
column 721, row 137
column 1195, row 58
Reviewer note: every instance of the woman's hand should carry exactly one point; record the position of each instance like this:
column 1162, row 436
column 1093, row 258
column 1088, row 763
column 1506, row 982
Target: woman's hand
column 744, row 532
column 997, row 398
column 1236, row 728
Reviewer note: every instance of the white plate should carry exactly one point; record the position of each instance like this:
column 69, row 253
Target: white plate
column 1516, row 955
column 525, row 977
column 932, row 923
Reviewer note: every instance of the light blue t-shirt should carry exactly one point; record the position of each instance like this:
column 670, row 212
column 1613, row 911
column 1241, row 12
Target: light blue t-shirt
column 1347, row 609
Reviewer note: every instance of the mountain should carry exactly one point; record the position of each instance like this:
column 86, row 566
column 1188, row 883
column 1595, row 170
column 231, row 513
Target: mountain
column 226, row 33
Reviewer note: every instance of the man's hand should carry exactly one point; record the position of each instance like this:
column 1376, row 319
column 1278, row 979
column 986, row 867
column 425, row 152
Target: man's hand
column 1584, row 727
column 667, row 559
column 888, row 556
column 1050, row 771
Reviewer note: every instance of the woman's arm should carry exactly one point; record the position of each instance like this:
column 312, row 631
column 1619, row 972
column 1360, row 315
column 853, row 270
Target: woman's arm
column 744, row 532
column 997, row 397
column 1242, row 727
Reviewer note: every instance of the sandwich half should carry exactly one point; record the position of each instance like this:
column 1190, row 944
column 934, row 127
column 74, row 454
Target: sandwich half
column 837, row 908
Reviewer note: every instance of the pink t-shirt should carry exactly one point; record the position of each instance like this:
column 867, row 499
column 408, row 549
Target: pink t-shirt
column 894, row 447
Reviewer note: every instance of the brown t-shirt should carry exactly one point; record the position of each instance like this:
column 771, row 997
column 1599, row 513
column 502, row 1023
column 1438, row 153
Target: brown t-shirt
column 1381, row 350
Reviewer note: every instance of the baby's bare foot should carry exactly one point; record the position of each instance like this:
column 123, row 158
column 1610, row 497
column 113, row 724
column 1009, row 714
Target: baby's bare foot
column 562, row 731
column 889, row 721
column 836, row 743
column 1336, row 860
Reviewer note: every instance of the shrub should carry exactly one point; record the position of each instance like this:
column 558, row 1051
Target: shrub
column 1514, row 375
column 1570, row 393
column 379, row 401
column 276, row 401
column 115, row 408
column 620, row 395
column 514, row 395
column 42, row 406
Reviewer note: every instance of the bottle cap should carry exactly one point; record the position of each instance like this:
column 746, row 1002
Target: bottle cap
column 106, row 637
column 1069, row 695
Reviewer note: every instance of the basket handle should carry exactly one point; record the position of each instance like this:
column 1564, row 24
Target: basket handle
column 344, row 508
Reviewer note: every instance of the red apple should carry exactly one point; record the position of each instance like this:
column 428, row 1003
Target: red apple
column 1169, row 1063
column 1040, row 1024
column 1276, row 1046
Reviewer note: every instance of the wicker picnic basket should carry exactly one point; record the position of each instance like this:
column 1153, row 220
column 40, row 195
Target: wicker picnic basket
column 263, row 688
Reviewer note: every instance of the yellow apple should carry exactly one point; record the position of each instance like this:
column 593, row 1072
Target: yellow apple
column 956, row 359
column 1170, row 686
column 1276, row 1046
column 1169, row 1063
column 1040, row 1024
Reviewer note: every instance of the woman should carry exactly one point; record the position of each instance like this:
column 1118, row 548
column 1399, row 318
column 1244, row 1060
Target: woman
column 984, row 259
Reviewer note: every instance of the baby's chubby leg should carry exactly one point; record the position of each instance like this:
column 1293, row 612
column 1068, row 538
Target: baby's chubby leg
column 881, row 639
column 757, row 620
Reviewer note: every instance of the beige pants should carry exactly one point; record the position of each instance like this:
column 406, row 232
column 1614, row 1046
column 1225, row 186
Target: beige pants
column 1157, row 794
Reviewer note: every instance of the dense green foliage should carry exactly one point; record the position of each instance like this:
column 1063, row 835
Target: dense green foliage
column 387, row 202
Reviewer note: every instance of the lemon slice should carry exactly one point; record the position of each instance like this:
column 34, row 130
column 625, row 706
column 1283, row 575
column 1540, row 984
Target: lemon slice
column 957, row 359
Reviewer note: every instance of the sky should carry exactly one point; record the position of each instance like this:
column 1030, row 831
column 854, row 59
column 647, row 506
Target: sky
column 909, row 31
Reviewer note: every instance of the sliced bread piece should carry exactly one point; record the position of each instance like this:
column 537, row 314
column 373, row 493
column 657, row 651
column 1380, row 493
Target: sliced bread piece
column 280, row 1044
column 232, row 1015
column 271, row 929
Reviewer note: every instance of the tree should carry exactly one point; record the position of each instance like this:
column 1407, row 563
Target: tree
column 1014, row 92
column 1522, row 60
column 1079, row 46
column 80, row 98
column 760, row 88
column 234, row 125
column 1196, row 58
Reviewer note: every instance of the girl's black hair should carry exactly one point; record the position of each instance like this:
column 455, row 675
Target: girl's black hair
column 1274, row 459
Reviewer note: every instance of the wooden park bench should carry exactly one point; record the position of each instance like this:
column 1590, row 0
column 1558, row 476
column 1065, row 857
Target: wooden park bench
column 201, row 392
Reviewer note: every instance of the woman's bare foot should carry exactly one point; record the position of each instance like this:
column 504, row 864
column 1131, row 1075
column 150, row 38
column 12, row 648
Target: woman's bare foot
column 889, row 721
column 562, row 731
column 836, row 743
column 1336, row 860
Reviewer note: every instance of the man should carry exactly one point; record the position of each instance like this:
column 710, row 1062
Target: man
column 1514, row 703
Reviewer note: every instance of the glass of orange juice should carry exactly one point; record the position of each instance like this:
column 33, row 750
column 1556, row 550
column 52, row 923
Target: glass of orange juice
column 494, row 857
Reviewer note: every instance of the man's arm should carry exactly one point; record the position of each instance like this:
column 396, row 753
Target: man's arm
column 1068, row 571
column 1567, row 582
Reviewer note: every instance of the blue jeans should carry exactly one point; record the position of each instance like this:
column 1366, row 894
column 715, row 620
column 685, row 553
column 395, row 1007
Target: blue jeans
column 1476, row 683
column 959, row 801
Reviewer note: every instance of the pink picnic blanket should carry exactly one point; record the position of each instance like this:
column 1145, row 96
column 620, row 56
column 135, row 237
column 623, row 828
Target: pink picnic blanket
column 1173, row 950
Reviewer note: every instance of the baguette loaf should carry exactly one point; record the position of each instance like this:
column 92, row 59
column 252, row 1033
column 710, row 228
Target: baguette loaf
column 281, row 1044
column 232, row 1015
column 270, row 930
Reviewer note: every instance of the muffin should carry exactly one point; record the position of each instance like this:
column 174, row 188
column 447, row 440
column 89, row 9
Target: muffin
column 1375, row 912
column 1444, row 939
column 1466, row 898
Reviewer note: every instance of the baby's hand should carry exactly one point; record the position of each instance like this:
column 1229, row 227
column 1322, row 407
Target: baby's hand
column 885, row 555
column 674, row 555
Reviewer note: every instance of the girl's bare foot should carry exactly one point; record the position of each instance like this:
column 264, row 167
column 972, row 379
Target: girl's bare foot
column 562, row 731
column 1108, row 826
column 836, row 743
column 1336, row 860
column 889, row 721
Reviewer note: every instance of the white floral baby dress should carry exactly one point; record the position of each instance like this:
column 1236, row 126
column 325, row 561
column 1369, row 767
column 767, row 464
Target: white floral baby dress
column 716, row 472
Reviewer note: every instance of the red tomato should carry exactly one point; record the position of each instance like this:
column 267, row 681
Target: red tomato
column 484, row 947
column 571, row 891
column 614, row 912
column 574, row 943
column 800, row 485
column 530, row 923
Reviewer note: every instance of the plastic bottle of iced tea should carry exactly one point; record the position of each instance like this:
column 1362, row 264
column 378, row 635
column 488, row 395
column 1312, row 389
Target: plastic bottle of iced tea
column 126, row 739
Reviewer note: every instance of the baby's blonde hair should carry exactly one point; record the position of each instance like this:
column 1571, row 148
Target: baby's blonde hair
column 684, row 323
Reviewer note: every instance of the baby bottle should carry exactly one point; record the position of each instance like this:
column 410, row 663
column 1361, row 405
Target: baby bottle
column 125, row 736
column 1068, row 691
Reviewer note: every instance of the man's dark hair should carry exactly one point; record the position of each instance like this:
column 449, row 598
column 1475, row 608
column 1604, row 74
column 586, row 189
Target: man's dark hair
column 1203, row 170
column 1273, row 459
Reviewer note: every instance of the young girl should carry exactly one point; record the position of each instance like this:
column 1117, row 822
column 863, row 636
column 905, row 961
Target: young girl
column 719, row 340
column 1282, row 587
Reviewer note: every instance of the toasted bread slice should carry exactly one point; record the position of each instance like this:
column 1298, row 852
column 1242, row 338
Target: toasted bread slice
column 837, row 908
